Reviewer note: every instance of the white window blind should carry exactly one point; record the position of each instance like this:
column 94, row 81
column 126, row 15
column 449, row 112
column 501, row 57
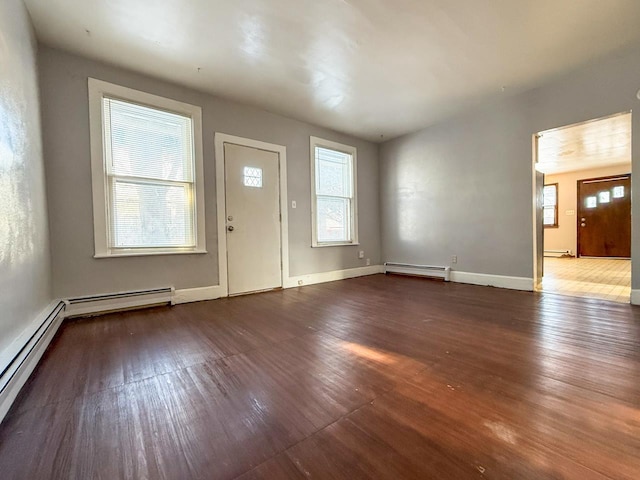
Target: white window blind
column 334, row 193
column 550, row 205
column 149, row 163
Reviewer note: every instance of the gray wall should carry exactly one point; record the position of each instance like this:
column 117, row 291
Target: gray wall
column 464, row 186
column 67, row 153
column 25, row 288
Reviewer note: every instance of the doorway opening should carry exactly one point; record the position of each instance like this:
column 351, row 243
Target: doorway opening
column 583, row 209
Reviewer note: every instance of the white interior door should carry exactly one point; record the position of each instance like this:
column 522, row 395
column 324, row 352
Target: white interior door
column 252, row 189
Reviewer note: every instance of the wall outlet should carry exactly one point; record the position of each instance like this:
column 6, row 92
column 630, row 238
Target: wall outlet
column 368, row 262
column 454, row 259
column 361, row 254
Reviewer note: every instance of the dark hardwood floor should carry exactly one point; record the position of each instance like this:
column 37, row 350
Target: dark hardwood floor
column 374, row 377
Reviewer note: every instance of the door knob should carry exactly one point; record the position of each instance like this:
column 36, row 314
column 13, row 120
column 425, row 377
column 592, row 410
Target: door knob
column 230, row 228
column 583, row 224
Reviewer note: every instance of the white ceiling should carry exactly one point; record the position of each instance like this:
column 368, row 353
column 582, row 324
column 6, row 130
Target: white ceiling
column 598, row 143
column 365, row 67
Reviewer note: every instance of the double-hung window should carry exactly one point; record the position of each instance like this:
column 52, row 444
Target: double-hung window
column 147, row 173
column 333, row 187
column 550, row 205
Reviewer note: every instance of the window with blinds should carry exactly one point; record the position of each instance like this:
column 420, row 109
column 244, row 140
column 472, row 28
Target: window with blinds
column 149, row 177
column 334, row 193
column 550, row 205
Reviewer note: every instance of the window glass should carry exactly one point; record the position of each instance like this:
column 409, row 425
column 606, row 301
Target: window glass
column 151, row 215
column 550, row 195
column 252, row 177
column 618, row 192
column 550, row 205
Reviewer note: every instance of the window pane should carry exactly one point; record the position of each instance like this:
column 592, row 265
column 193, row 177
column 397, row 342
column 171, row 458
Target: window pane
column 604, row 197
column 145, row 142
column 333, row 173
column 550, row 195
column 618, row 192
column 549, row 215
column 591, row 202
column 151, row 215
column 333, row 219
column 252, row 177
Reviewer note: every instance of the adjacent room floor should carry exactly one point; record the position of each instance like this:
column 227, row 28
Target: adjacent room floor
column 374, row 377
column 588, row 277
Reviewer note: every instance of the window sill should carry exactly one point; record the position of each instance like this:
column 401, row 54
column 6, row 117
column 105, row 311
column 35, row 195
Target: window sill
column 145, row 253
column 343, row 244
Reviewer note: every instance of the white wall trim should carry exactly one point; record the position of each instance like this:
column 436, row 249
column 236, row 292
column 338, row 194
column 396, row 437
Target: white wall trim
column 332, row 276
column 536, row 281
column 500, row 281
column 635, row 297
column 219, row 140
column 19, row 359
column 187, row 295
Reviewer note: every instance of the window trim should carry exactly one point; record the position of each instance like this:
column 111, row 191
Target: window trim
column 320, row 142
column 98, row 89
column 556, row 222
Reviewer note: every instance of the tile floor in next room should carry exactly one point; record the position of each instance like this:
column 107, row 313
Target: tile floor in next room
column 603, row 278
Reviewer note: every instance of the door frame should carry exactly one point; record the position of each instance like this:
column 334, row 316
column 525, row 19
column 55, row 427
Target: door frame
column 537, row 279
column 538, row 249
column 221, row 204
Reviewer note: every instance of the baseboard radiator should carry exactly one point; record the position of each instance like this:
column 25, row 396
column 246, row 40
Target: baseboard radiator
column 16, row 369
column 558, row 253
column 418, row 270
column 98, row 304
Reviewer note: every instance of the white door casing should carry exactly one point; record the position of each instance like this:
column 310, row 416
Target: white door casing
column 227, row 252
column 253, row 219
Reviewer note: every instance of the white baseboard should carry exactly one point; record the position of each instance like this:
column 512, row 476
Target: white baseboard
column 199, row 294
column 635, row 297
column 332, row 276
column 22, row 356
column 98, row 304
column 500, row 281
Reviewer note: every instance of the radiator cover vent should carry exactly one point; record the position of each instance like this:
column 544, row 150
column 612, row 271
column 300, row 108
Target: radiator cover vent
column 419, row 270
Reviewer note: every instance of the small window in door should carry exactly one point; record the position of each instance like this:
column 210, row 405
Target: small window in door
column 550, row 205
column 618, row 192
column 604, row 197
column 591, row 202
column 253, row 177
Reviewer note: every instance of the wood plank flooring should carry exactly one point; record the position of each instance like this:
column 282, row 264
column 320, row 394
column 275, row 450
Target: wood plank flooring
column 374, row 377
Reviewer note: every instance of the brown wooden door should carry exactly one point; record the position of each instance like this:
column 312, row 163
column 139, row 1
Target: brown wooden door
column 604, row 217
